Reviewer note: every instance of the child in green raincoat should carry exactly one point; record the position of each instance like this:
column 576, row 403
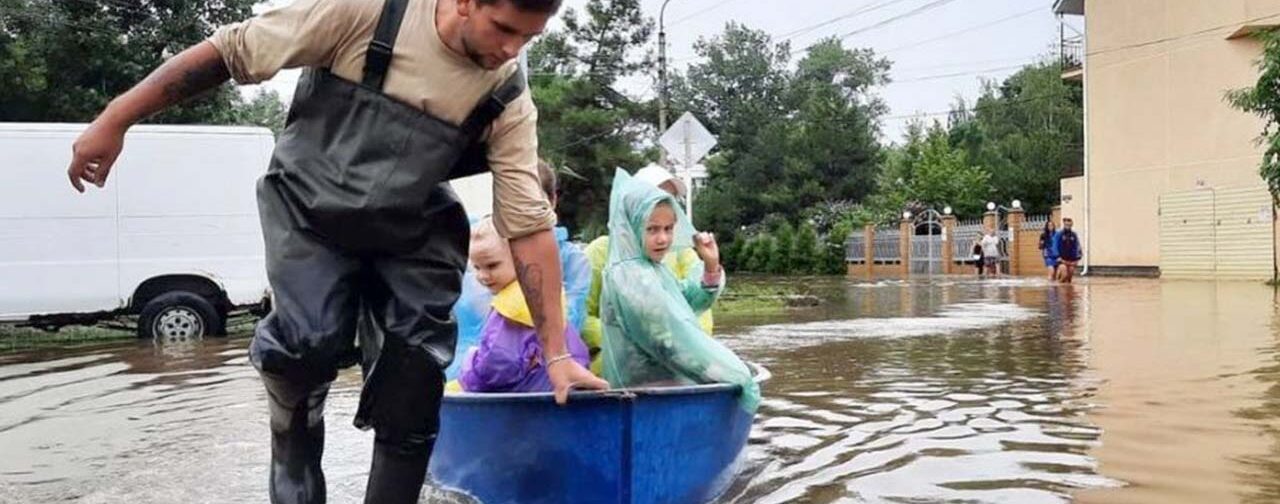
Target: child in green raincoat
column 684, row 263
column 650, row 319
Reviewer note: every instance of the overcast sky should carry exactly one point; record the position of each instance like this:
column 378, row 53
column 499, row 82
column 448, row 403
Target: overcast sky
column 940, row 49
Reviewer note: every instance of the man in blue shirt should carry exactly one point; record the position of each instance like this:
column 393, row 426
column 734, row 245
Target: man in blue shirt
column 1067, row 244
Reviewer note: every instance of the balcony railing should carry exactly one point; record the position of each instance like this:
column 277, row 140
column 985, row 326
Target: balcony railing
column 1071, row 53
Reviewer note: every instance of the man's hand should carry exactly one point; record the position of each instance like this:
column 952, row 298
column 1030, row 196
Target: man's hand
column 94, row 152
column 568, row 375
column 193, row 71
column 538, row 268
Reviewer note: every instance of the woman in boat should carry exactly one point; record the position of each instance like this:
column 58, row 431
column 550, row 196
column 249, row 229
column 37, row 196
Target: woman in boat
column 651, row 329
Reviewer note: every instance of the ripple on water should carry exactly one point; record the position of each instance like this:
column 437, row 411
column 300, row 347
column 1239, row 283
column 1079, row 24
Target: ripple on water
column 949, row 320
column 969, row 404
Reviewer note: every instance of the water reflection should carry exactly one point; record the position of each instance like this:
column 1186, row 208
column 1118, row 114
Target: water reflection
column 949, row 389
column 959, row 391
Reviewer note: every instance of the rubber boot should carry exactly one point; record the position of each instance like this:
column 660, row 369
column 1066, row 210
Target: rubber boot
column 401, row 402
column 297, row 440
column 398, row 472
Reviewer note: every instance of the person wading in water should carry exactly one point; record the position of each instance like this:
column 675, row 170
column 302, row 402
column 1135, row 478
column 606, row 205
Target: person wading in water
column 398, row 97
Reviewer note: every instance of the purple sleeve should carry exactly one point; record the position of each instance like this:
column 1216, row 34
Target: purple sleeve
column 577, row 347
column 497, row 364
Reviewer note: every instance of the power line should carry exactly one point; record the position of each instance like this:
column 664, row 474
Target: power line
column 699, row 12
column 880, row 24
column 1180, row 37
column 911, row 13
column 861, row 10
column 810, row 28
column 961, row 74
column 1023, row 63
column 976, row 108
column 966, row 30
column 1029, row 57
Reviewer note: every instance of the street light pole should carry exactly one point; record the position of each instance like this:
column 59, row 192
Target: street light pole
column 662, row 75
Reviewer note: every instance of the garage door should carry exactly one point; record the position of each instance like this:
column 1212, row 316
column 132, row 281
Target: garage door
column 1243, row 231
column 1223, row 233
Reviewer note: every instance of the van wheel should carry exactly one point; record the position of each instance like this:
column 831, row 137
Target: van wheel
column 179, row 316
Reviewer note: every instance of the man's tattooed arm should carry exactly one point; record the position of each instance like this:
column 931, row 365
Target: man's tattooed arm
column 538, row 269
column 190, row 73
column 530, row 276
column 192, row 80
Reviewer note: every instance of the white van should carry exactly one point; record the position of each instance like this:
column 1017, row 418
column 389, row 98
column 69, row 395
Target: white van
column 173, row 237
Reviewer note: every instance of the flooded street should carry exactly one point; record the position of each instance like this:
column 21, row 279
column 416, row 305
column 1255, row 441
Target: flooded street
column 948, row 389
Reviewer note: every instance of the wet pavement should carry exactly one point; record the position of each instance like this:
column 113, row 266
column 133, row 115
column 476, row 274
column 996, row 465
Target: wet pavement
column 946, row 389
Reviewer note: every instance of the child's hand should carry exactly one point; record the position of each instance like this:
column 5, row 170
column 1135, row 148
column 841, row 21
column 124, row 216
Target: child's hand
column 705, row 245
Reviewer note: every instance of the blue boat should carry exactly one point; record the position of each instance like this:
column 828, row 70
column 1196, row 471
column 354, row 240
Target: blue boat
column 678, row 445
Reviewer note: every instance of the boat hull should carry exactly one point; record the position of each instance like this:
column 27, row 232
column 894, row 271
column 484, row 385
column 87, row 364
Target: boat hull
column 675, row 445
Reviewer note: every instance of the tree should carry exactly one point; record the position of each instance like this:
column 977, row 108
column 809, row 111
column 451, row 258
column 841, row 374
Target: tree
column 738, row 91
column 731, row 255
column 585, row 127
column 63, row 61
column 265, row 109
column 761, row 251
column 780, row 255
column 804, row 251
column 927, row 172
column 1023, row 132
column 833, row 138
column 1263, row 100
column 788, row 139
column 834, row 257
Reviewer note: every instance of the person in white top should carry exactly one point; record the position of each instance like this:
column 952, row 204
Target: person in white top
column 990, row 251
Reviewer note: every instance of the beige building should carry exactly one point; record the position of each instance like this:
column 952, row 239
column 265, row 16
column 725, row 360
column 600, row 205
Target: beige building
column 1169, row 183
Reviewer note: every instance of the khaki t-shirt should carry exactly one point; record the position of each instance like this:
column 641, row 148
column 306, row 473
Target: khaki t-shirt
column 423, row 72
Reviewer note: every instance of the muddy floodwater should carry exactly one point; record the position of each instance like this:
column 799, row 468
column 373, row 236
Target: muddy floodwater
column 935, row 390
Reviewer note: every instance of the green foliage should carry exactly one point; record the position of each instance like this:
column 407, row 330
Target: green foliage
column 64, row 61
column 805, row 255
column 731, row 254
column 789, row 139
column 780, row 255
column 265, row 109
column 833, row 257
column 585, row 127
column 789, row 250
column 1263, row 100
column 761, row 251
column 927, row 172
column 1023, row 132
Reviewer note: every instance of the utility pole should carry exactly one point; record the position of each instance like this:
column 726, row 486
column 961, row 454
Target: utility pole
column 662, row 75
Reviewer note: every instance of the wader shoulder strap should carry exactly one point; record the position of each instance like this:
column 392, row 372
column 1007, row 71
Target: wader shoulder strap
column 493, row 105
column 475, row 158
column 378, row 58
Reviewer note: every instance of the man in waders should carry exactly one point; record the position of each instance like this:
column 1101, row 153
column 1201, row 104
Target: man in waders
column 398, row 96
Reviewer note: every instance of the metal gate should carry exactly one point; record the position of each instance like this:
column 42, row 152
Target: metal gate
column 926, row 244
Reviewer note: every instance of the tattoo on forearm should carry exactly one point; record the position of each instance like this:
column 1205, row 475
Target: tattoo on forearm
column 530, row 276
column 194, row 81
